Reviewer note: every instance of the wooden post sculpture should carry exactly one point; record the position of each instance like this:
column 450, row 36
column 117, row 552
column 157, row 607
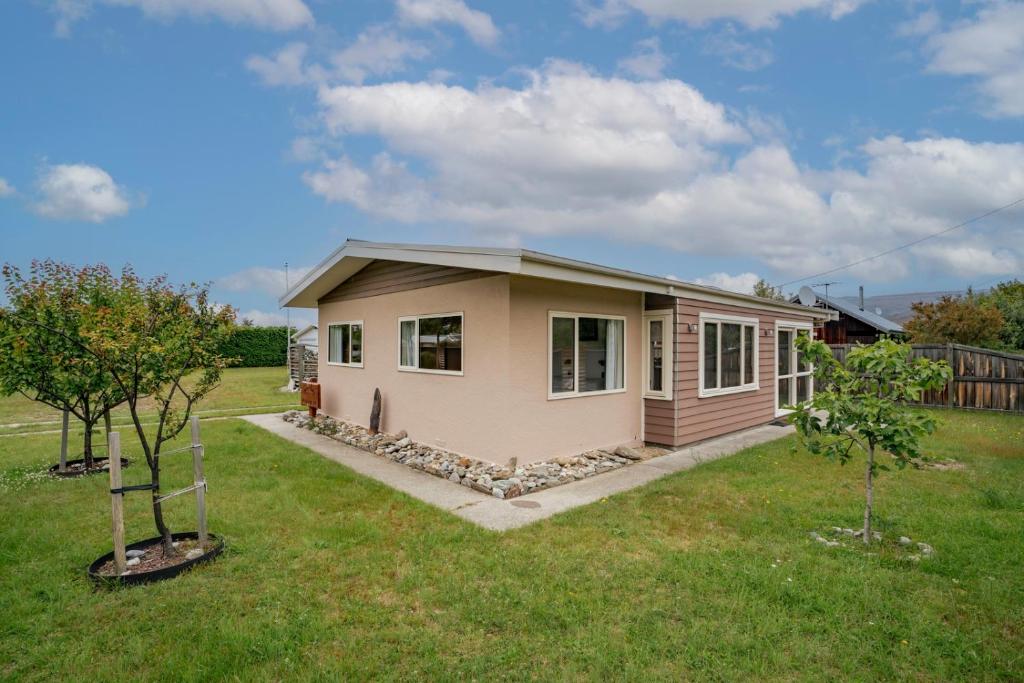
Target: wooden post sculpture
column 116, row 501
column 63, row 466
column 199, row 481
column 375, row 413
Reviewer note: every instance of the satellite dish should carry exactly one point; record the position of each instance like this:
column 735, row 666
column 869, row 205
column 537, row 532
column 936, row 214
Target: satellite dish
column 807, row 296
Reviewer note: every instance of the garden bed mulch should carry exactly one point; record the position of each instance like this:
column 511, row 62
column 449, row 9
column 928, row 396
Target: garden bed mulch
column 147, row 559
column 77, row 468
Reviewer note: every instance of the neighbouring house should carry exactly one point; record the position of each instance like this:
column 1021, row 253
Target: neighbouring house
column 307, row 336
column 303, row 357
column 852, row 322
column 501, row 353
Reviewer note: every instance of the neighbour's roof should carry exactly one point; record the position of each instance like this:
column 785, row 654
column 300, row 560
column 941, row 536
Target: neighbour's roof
column 304, row 331
column 898, row 307
column 354, row 255
column 854, row 311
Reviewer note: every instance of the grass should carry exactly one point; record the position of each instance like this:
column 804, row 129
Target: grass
column 708, row 574
column 240, row 390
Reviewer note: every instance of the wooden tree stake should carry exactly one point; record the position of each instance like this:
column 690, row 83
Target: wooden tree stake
column 375, row 413
column 200, row 482
column 64, row 443
column 116, row 501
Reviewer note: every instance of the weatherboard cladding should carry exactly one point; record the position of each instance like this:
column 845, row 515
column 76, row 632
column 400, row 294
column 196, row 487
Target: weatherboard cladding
column 387, row 277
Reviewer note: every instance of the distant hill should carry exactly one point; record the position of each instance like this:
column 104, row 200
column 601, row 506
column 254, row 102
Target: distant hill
column 896, row 307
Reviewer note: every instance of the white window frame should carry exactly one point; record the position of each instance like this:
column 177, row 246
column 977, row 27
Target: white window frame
column 416, row 336
column 668, row 337
column 576, row 393
column 796, row 326
column 733, row 319
column 362, row 349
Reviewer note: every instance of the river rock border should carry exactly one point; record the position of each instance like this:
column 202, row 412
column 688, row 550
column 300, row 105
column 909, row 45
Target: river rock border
column 500, row 481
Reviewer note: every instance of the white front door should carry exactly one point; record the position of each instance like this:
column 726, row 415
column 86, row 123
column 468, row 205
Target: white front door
column 793, row 380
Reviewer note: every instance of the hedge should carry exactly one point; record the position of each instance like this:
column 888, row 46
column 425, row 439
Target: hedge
column 257, row 347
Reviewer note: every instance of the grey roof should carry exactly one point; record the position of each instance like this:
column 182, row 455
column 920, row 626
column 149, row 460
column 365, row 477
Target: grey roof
column 353, row 255
column 897, row 307
column 852, row 309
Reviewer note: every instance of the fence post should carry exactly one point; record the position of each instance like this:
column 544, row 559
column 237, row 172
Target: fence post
column 116, row 501
column 63, row 466
column 197, row 474
column 951, row 384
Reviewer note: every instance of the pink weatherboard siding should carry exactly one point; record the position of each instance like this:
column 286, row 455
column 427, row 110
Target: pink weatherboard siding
column 499, row 407
column 688, row 418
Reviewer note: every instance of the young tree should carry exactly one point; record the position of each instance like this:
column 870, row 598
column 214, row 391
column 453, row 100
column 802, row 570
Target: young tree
column 41, row 344
column 161, row 342
column 1008, row 297
column 764, row 290
column 960, row 320
column 862, row 405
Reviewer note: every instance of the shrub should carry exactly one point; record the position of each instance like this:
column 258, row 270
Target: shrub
column 256, row 347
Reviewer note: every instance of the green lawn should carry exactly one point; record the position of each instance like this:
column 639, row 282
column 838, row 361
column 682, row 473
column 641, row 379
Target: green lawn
column 240, row 390
column 706, row 574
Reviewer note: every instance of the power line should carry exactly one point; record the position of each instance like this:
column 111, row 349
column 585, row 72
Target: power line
column 904, row 246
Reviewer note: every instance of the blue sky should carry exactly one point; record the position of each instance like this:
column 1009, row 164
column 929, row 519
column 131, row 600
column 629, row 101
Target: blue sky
column 711, row 140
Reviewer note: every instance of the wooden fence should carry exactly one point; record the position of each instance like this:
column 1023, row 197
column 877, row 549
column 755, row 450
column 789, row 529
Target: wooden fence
column 983, row 379
column 302, row 363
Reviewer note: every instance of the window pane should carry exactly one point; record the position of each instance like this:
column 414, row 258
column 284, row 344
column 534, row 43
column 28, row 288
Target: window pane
column 408, row 359
column 710, row 355
column 785, row 349
column 593, row 350
column 803, row 386
column 334, row 344
column 655, row 332
column 730, row 357
column 563, row 340
column 784, row 399
column 614, row 371
column 357, row 343
column 748, row 349
column 802, row 364
column 440, row 343
column 345, row 344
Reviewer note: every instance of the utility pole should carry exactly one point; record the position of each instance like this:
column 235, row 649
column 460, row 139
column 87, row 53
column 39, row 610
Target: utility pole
column 288, row 329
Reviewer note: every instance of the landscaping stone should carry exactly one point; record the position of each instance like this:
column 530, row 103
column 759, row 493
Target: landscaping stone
column 925, row 548
column 502, row 481
column 134, row 553
column 904, row 540
column 133, row 561
column 193, row 554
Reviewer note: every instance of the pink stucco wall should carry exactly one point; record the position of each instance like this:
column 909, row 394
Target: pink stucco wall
column 499, row 407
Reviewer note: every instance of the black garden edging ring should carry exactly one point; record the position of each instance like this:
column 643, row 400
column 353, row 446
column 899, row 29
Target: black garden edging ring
column 156, row 574
column 55, row 469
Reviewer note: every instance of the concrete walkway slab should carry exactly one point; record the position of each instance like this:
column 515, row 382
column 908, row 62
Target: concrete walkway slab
column 502, row 515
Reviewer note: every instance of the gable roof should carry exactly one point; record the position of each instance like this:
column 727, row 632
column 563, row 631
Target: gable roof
column 354, row 255
column 853, row 310
column 304, row 331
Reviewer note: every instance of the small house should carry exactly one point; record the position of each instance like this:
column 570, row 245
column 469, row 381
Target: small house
column 501, row 353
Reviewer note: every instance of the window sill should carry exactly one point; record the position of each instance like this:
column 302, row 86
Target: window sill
column 584, row 394
column 345, row 365
column 456, row 373
column 711, row 393
column 658, row 397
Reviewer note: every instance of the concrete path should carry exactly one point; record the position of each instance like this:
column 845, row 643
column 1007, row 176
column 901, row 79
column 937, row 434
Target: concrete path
column 502, row 515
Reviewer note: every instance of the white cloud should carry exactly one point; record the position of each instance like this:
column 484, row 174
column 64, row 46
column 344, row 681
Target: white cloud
column 570, row 152
column 990, row 48
column 6, row 189
column 272, row 318
column 264, row 280
column 741, row 282
column 80, row 192
column 755, row 14
column 377, row 51
column 737, row 53
column 478, row 25
column 925, row 23
column 276, row 15
column 647, row 60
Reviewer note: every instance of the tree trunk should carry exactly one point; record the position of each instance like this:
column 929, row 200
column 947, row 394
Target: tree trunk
column 87, row 446
column 158, row 513
column 106, row 426
column 869, row 490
